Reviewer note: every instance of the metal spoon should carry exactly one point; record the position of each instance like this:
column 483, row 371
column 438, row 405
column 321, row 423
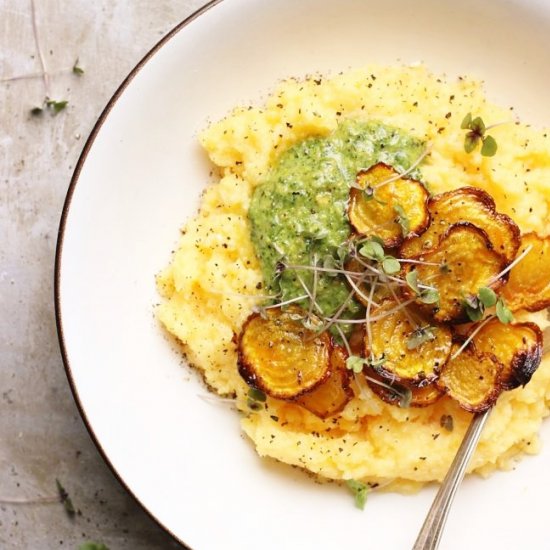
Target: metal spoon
column 432, row 529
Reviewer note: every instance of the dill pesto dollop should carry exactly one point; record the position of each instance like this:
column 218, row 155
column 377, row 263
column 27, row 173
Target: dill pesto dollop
column 298, row 212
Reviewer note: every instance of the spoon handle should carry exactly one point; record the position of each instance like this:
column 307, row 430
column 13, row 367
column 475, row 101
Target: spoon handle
column 430, row 534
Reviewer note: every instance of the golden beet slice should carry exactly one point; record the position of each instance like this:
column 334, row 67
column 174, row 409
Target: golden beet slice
column 362, row 290
column 466, row 204
column 529, row 283
column 280, row 356
column 334, row 393
column 409, row 347
column 517, row 346
column 472, row 379
column 391, row 210
column 419, row 396
column 463, row 262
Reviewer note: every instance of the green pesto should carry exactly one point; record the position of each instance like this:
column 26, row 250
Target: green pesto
column 298, row 212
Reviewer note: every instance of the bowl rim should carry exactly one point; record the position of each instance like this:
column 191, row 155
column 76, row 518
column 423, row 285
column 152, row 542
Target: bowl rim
column 60, row 241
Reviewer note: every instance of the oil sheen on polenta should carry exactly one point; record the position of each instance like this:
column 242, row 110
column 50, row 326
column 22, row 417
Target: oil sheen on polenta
column 215, row 265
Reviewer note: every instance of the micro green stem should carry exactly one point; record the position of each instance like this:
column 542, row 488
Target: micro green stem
column 471, row 337
column 512, row 265
column 408, row 171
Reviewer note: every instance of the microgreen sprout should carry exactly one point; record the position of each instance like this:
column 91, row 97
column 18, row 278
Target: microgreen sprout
column 512, row 265
column 466, row 342
column 256, row 399
column 420, row 336
column 477, row 133
column 402, row 220
column 503, row 313
column 355, row 363
column 412, row 167
column 359, row 491
column 77, row 69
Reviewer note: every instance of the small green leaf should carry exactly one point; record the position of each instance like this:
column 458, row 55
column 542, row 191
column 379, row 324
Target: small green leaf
column 478, row 126
column 368, row 193
column 503, row 313
column 446, row 422
column 402, row 220
column 37, row 111
column 429, row 296
column 343, row 252
column 56, row 106
column 376, row 362
column 390, row 265
column 489, row 147
column 420, row 336
column 92, row 546
column 470, row 142
column 487, row 296
column 405, row 397
column 77, row 70
column 372, row 250
column 474, row 313
column 359, row 491
column 330, row 263
column 466, row 121
column 65, row 499
column 257, row 395
column 377, row 239
column 412, row 281
column 355, row 363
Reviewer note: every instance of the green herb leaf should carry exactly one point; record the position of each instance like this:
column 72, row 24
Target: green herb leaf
column 487, row 296
column 377, row 239
column 412, row 281
column 92, row 546
column 372, row 250
column 359, row 491
column 402, row 220
column 65, row 499
column 503, row 313
column 466, row 121
column 368, row 193
column 376, row 362
column 257, row 395
column 478, row 126
column 470, row 142
column 77, row 70
column 429, row 296
column 37, row 111
column 420, row 336
column 330, row 263
column 355, row 363
column 390, row 265
column 474, row 314
column 56, row 106
column 447, row 422
column 489, row 147
column 405, row 397
column 343, row 252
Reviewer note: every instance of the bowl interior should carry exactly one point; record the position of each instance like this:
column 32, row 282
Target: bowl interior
column 142, row 176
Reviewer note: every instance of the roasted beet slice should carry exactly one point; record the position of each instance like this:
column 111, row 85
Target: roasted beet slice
column 334, row 393
column 408, row 347
column 390, row 211
column 468, row 204
column 419, row 396
column 473, row 379
column 529, row 284
column 463, row 262
column 280, row 356
column 518, row 346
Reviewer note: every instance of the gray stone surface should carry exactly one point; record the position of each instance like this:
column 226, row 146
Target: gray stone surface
column 41, row 434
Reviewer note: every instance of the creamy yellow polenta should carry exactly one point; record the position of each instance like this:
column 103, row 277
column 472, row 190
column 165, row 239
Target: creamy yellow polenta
column 215, row 265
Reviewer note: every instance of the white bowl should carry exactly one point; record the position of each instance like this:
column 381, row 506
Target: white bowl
column 140, row 177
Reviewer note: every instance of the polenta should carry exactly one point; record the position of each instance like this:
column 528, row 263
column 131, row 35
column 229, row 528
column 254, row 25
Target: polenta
column 218, row 274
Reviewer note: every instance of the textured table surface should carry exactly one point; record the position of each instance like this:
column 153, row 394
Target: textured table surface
column 41, row 434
